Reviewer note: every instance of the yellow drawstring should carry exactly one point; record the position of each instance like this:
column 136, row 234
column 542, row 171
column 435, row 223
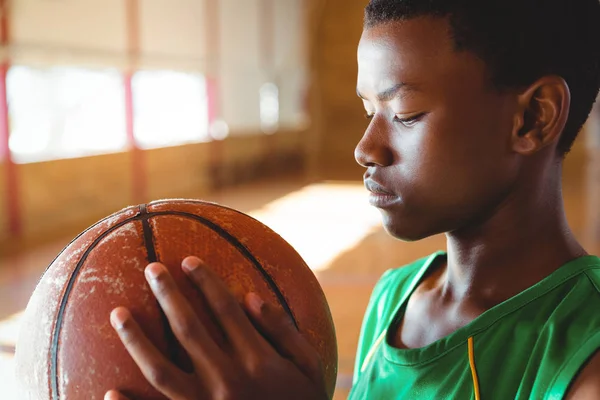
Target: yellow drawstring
column 473, row 370
column 372, row 350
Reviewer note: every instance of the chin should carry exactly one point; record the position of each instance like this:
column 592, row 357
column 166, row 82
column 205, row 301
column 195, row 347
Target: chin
column 407, row 229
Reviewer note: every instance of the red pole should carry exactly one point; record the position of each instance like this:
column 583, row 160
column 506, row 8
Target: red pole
column 212, row 93
column 13, row 203
column 267, row 51
column 138, row 161
column 213, row 56
column 214, row 59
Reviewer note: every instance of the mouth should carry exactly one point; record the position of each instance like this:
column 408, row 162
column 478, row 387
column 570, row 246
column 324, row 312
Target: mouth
column 377, row 188
column 380, row 196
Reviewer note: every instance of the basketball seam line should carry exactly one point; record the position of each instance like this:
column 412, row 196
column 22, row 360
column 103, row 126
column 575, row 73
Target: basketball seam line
column 217, row 205
column 232, row 240
column 81, row 234
column 59, row 319
column 152, row 256
column 148, row 235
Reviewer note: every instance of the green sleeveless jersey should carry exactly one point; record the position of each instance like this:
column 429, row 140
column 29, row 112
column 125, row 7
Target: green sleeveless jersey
column 529, row 347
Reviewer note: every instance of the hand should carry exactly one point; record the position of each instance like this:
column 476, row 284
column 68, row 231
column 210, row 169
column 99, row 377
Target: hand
column 283, row 367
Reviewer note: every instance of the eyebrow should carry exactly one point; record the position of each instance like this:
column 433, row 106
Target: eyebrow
column 392, row 92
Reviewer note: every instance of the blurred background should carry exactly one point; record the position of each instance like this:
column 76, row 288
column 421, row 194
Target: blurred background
column 250, row 103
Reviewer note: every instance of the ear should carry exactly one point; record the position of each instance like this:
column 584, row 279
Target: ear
column 543, row 113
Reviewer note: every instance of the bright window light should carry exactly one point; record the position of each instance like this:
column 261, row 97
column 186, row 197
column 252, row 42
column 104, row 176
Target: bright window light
column 171, row 108
column 64, row 112
column 219, row 130
column 269, row 107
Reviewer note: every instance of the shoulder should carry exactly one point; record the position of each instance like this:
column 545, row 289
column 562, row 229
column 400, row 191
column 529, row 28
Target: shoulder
column 587, row 383
column 575, row 344
column 577, row 301
column 593, row 274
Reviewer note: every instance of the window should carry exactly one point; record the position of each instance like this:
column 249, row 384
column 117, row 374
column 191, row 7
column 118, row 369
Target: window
column 64, row 112
column 171, row 108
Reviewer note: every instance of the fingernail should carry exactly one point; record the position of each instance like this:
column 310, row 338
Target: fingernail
column 153, row 271
column 191, row 263
column 111, row 395
column 118, row 317
column 255, row 301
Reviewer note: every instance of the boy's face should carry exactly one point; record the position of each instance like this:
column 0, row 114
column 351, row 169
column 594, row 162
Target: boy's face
column 439, row 140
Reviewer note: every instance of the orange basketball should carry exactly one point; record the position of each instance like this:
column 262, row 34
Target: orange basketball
column 67, row 348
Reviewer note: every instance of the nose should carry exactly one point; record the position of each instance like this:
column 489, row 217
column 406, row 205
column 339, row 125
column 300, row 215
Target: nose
column 373, row 149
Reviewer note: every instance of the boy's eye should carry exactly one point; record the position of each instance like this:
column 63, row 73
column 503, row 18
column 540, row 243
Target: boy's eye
column 410, row 121
column 407, row 122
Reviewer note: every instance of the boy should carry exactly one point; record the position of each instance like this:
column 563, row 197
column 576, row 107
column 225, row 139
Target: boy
column 473, row 105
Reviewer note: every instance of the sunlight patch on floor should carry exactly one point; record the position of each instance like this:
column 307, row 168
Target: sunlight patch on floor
column 9, row 328
column 7, row 379
column 322, row 220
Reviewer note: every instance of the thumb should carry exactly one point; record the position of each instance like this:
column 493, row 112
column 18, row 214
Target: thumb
column 114, row 395
column 281, row 332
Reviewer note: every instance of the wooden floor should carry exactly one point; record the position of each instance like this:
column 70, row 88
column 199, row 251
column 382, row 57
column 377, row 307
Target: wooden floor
column 334, row 229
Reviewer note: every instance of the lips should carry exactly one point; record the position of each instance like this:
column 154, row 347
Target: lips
column 380, row 196
column 377, row 188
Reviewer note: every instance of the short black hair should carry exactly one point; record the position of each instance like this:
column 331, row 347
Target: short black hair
column 520, row 41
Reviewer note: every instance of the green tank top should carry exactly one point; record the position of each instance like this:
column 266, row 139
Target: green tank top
column 528, row 347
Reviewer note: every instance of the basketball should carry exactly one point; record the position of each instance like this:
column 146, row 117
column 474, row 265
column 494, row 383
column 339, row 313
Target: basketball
column 67, row 348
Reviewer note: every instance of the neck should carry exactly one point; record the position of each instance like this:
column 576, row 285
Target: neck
column 524, row 239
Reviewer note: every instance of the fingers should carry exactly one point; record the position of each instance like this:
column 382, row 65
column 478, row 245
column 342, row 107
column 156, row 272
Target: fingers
column 114, row 395
column 206, row 356
column 161, row 374
column 279, row 329
column 231, row 316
